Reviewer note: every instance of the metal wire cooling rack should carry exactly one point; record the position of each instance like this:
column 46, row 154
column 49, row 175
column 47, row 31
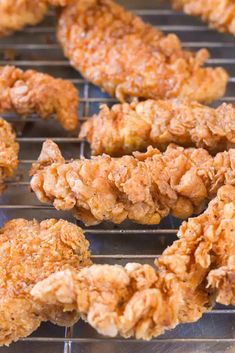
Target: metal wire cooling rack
column 37, row 48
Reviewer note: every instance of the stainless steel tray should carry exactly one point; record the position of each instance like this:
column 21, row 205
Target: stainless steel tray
column 37, row 48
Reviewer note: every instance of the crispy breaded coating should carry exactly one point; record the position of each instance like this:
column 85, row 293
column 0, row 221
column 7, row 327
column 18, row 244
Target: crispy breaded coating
column 27, row 92
column 128, row 58
column 223, row 280
column 9, row 149
column 219, row 14
column 30, row 252
column 126, row 128
column 136, row 300
column 15, row 14
column 143, row 188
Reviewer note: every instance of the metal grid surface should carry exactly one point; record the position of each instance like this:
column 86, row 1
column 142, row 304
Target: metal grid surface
column 37, row 48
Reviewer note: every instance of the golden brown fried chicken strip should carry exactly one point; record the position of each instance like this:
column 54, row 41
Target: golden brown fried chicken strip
column 136, row 300
column 219, row 14
column 9, row 149
column 15, row 14
column 27, row 92
column 128, row 58
column 142, row 188
column 29, row 252
column 125, row 128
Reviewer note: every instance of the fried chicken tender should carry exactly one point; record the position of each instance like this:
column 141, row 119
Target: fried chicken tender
column 125, row 128
column 143, row 188
column 219, row 14
column 15, row 14
column 30, row 252
column 9, row 149
column 136, row 300
column 27, row 92
column 128, row 58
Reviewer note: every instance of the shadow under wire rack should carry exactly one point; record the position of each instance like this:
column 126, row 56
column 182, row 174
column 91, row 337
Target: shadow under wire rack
column 37, row 48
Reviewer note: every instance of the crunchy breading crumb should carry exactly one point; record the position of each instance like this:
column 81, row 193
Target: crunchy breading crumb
column 223, row 280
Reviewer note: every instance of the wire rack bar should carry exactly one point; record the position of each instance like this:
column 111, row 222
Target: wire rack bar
column 57, row 46
column 83, row 81
column 68, row 336
column 55, row 139
column 214, row 61
column 124, row 256
column 130, row 340
column 173, row 28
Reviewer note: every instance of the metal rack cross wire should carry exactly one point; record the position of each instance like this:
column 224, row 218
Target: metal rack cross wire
column 37, row 48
